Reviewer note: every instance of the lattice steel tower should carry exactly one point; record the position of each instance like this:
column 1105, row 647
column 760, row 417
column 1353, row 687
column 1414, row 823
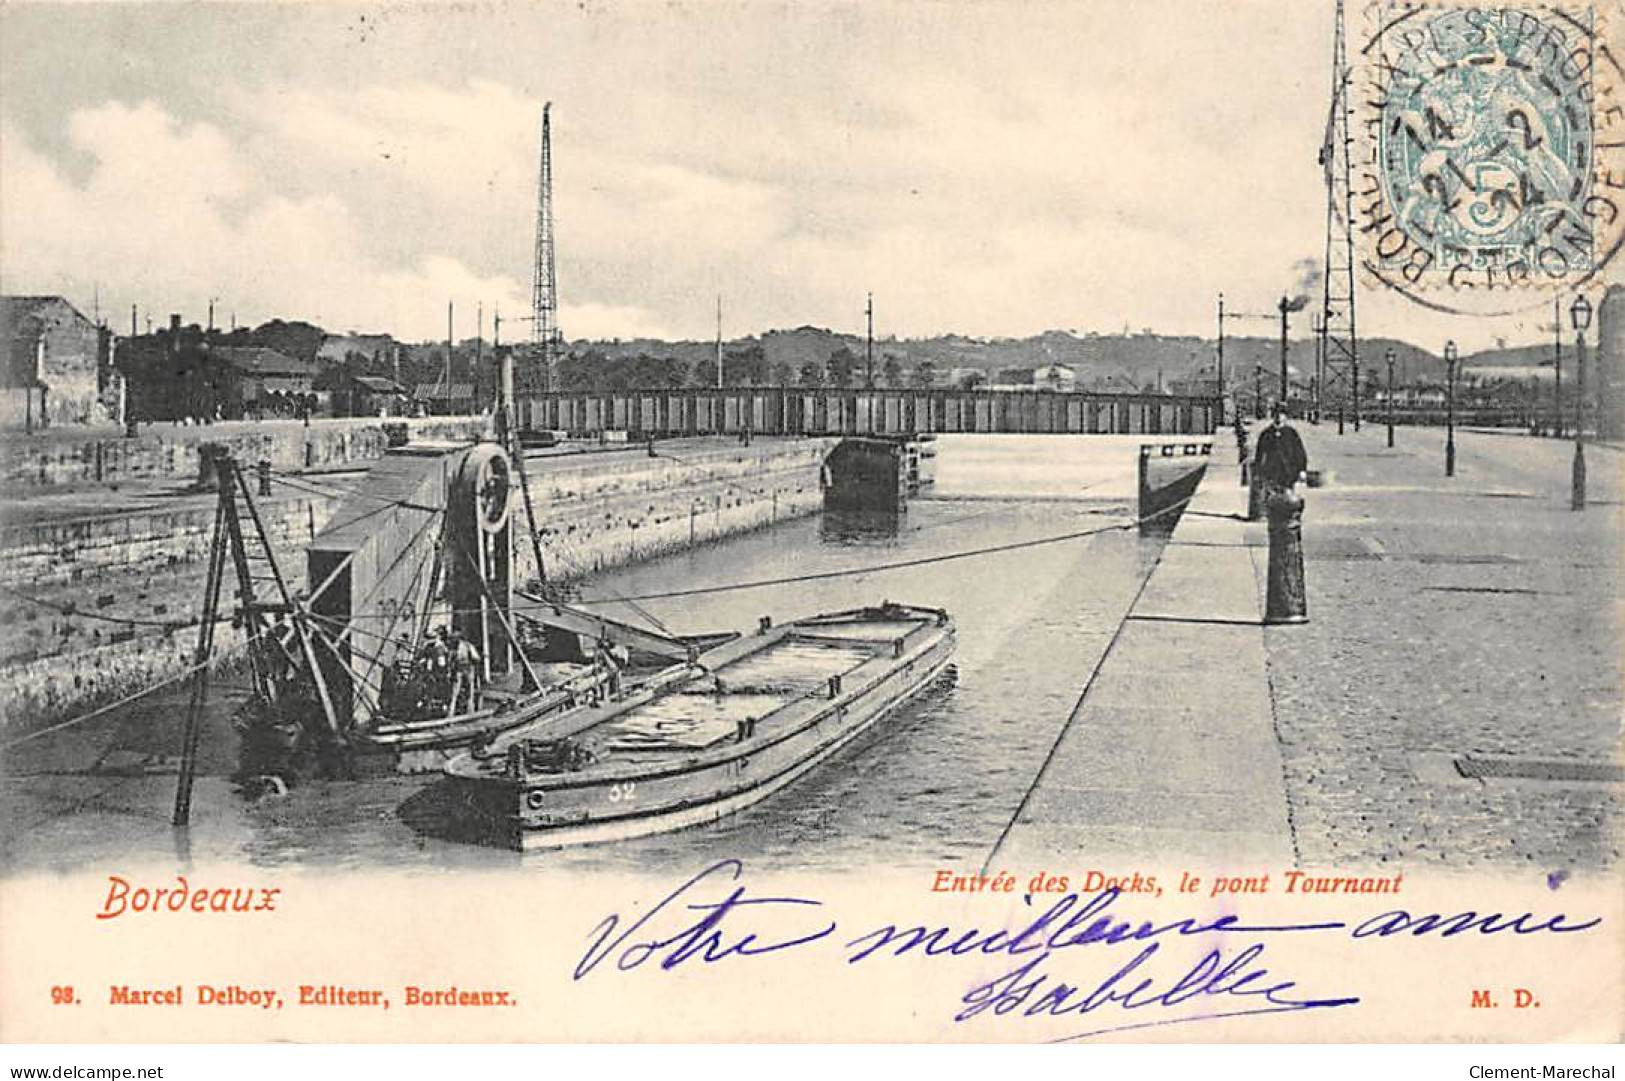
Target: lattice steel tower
column 544, row 293
column 1339, row 345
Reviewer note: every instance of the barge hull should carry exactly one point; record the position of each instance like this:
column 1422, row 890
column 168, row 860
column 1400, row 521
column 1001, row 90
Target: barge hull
column 701, row 812
column 669, row 766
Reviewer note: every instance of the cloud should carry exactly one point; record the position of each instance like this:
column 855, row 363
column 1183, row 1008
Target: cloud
column 603, row 321
column 448, row 143
column 457, row 166
column 362, row 211
column 183, row 213
column 1083, row 165
column 373, row 206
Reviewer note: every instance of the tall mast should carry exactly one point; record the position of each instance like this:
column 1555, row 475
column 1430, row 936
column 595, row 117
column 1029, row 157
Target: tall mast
column 869, row 342
column 1339, row 345
column 544, row 295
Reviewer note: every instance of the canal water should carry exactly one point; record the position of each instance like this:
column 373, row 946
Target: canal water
column 932, row 786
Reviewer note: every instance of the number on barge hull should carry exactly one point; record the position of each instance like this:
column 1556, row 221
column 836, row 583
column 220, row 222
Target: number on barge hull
column 622, row 793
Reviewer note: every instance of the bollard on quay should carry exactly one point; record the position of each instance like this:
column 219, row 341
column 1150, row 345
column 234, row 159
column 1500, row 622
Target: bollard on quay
column 1286, row 601
column 1241, row 452
column 1577, row 478
column 1255, row 489
column 1255, row 497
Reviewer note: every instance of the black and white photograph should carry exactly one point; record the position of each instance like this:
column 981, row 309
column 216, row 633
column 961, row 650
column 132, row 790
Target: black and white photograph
column 649, row 502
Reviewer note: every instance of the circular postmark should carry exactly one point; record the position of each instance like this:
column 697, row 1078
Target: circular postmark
column 1489, row 164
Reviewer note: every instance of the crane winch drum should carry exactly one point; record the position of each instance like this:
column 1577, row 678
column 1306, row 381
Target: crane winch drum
column 479, row 556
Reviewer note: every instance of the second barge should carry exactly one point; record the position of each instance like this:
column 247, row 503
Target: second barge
column 703, row 740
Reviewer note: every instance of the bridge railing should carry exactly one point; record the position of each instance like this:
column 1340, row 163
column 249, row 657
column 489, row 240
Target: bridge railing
column 835, row 411
column 1470, row 415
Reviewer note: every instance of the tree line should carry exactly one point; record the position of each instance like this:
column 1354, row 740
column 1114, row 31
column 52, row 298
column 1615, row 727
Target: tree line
column 593, row 370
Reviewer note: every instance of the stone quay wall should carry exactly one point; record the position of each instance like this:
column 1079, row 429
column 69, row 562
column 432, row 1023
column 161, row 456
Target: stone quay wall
column 60, row 459
column 120, row 594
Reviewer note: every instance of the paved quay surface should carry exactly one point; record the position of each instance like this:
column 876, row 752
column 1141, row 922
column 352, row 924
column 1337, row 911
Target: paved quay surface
column 1171, row 752
column 1473, row 616
column 1450, row 618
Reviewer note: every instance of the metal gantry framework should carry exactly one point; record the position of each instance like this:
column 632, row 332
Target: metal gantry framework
column 275, row 622
column 544, row 294
column 1339, row 345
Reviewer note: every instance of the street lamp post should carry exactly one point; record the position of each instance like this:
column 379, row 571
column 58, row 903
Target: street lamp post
column 1286, row 307
column 1557, row 367
column 1356, row 388
column 1580, row 313
column 1258, row 390
column 1450, row 355
column 1390, row 358
column 1318, row 384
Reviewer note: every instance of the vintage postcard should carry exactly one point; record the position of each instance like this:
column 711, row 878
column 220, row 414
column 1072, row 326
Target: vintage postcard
column 744, row 521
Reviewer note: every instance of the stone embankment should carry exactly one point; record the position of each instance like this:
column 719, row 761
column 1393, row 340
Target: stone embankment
column 104, row 582
column 63, row 458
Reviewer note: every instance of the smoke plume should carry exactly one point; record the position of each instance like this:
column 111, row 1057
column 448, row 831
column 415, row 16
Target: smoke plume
column 1307, row 284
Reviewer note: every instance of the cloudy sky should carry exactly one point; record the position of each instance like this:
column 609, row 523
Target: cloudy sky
column 990, row 168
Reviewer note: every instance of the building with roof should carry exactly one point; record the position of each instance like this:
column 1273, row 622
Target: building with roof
column 374, row 396
column 57, row 366
column 1113, row 383
column 256, row 376
column 1202, row 381
column 1060, row 378
column 440, row 399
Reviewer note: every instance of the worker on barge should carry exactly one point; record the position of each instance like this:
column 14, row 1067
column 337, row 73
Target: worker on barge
column 466, row 670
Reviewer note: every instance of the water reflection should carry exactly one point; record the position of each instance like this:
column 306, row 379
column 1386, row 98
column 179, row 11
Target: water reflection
column 859, row 527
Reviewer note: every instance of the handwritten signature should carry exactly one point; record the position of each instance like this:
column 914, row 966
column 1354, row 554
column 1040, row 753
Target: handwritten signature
column 712, row 917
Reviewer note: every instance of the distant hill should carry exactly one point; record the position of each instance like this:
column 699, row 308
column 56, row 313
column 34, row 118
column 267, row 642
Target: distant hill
column 1101, row 360
column 1098, row 359
column 1516, row 356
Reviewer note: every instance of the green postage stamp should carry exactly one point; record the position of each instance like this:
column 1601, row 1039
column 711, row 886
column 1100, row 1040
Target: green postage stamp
column 1491, row 149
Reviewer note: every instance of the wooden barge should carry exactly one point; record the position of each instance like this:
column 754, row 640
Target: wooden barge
column 705, row 738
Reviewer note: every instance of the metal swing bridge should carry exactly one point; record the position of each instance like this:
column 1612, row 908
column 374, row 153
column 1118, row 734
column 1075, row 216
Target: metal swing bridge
column 870, row 411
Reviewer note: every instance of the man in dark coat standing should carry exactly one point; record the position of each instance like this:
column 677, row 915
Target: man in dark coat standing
column 1280, row 462
column 1280, row 459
